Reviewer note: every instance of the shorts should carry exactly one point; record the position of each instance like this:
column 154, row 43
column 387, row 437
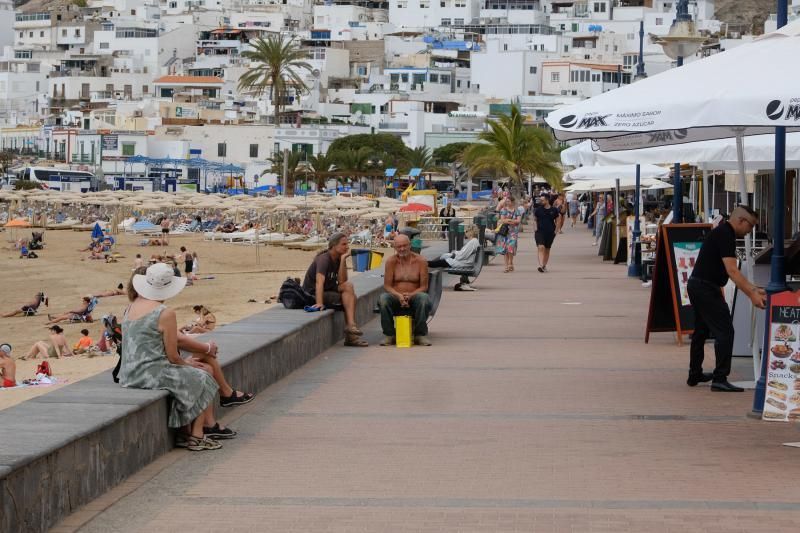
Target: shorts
column 164, row 231
column 189, row 265
column 28, row 311
column 544, row 239
column 332, row 299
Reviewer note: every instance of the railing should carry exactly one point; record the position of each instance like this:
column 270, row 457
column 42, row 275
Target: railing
column 84, row 158
column 29, row 17
column 393, row 126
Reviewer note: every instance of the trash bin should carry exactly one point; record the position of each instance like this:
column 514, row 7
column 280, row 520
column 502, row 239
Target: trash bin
column 360, row 260
column 416, row 245
column 459, row 236
column 452, row 229
column 375, row 259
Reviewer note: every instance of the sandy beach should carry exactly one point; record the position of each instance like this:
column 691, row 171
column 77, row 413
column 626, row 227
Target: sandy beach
column 65, row 275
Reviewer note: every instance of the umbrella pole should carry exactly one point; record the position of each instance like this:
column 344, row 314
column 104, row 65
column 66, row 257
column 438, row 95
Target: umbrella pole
column 635, row 268
column 706, row 205
column 748, row 239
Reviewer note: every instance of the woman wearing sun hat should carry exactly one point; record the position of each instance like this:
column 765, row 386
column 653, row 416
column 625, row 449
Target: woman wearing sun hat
column 150, row 358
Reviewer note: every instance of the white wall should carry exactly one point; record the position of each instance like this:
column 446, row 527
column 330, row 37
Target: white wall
column 429, row 13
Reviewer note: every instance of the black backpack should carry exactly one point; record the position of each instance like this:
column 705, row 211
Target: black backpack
column 293, row 296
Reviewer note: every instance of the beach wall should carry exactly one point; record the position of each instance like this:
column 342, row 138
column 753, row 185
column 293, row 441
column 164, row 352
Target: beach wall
column 61, row 450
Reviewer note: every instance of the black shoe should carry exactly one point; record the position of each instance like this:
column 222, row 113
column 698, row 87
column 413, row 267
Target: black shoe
column 541, row 269
column 694, row 379
column 724, row 386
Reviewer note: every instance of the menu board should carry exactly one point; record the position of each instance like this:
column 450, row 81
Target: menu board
column 685, row 257
column 677, row 249
column 782, row 401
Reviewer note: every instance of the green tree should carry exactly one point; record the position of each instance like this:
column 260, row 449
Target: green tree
column 509, row 148
column 322, row 165
column 384, row 145
column 450, row 153
column 293, row 169
column 279, row 64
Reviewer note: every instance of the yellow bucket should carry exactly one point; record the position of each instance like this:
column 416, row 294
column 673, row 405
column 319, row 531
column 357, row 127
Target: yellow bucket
column 375, row 259
column 402, row 331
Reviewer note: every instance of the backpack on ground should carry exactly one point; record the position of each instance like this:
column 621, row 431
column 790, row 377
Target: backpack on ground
column 293, row 296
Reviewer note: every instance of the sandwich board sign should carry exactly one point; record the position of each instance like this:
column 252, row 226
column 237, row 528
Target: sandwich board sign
column 782, row 401
column 677, row 248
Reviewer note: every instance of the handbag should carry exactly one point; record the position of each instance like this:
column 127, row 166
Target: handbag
column 503, row 231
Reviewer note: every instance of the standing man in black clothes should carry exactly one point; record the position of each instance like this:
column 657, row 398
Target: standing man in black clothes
column 715, row 264
column 546, row 217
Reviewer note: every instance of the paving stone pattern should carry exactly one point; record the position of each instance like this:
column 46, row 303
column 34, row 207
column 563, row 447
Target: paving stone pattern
column 529, row 413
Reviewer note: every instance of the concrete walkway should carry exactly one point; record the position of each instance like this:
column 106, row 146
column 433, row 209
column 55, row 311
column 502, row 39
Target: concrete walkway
column 539, row 408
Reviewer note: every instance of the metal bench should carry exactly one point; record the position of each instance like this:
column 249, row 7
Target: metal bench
column 472, row 271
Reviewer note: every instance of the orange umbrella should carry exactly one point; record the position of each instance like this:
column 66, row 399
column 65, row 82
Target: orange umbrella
column 416, row 208
column 18, row 223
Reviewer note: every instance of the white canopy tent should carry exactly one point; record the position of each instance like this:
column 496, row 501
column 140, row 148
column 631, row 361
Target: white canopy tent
column 624, row 184
column 604, row 172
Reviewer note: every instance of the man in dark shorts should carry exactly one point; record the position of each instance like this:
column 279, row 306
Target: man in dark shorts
column 715, row 264
column 326, row 280
column 546, row 217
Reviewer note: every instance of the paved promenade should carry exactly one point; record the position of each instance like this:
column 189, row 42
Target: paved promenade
column 538, row 409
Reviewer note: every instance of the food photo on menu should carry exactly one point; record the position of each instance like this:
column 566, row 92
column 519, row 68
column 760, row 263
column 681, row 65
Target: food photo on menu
column 685, row 257
column 783, row 385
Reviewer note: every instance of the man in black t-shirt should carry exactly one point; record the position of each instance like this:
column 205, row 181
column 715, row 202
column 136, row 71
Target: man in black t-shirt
column 326, row 280
column 715, row 264
column 546, row 217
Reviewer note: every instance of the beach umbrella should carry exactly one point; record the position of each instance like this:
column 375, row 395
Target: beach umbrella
column 18, row 223
column 97, row 232
column 416, row 208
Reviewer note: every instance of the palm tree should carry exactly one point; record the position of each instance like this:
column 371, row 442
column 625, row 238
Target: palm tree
column 279, row 64
column 512, row 149
column 420, row 157
column 322, row 164
column 294, row 160
column 355, row 162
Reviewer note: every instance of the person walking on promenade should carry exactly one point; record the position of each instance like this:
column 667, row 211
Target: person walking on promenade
column 599, row 214
column 406, row 284
column 715, row 264
column 546, row 217
column 326, row 280
column 511, row 217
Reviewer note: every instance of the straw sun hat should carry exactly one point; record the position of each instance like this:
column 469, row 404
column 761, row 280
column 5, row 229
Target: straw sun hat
column 158, row 283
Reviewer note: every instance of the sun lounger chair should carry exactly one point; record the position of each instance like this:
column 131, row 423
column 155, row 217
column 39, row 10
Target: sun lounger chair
column 86, row 316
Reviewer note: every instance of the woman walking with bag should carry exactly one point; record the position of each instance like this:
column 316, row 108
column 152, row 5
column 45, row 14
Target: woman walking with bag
column 508, row 232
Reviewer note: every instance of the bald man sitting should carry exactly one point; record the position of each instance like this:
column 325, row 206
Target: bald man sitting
column 406, row 284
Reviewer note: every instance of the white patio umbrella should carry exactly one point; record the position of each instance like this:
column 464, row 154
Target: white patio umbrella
column 612, row 172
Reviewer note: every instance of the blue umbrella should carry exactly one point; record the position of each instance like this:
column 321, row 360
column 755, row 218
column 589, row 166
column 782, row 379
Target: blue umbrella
column 97, row 232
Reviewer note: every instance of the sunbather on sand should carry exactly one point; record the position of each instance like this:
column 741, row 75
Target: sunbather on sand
column 8, row 368
column 30, row 308
column 119, row 291
column 75, row 314
column 57, row 347
column 203, row 323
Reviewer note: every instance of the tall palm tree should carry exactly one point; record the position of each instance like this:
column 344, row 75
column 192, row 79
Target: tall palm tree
column 322, row 164
column 293, row 169
column 512, row 149
column 420, row 157
column 279, row 63
column 354, row 161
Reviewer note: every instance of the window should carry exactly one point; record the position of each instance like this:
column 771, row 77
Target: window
column 30, row 34
column 445, row 79
column 555, row 77
column 77, row 32
column 64, row 32
column 573, row 75
column 574, row 27
column 445, row 22
column 21, row 34
column 630, row 36
column 433, row 78
column 253, row 150
column 133, row 12
column 37, row 86
column 402, row 4
column 599, row 7
column 41, row 34
column 424, row 4
column 103, row 46
column 532, row 70
column 361, row 70
column 222, row 150
column 659, row 22
column 461, row 3
column 566, row 48
column 458, row 83
column 395, row 78
column 458, row 22
column 173, row 5
column 128, row 149
column 404, row 78
column 145, row 89
column 505, row 47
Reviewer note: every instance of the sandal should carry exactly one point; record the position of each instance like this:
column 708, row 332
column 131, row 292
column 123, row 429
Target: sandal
column 217, row 432
column 353, row 330
column 236, row 399
column 507, row 270
column 356, row 341
column 195, row 444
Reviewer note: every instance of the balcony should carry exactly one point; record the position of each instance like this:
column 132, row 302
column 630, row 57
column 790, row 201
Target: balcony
column 32, row 20
column 82, row 159
column 222, row 43
column 393, row 126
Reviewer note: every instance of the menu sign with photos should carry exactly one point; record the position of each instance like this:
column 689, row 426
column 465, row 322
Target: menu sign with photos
column 685, row 257
column 782, row 401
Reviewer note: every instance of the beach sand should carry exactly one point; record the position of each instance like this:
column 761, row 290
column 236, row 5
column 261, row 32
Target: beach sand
column 64, row 277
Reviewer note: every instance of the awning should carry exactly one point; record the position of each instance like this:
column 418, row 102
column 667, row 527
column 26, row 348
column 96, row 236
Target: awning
column 414, row 172
column 390, row 172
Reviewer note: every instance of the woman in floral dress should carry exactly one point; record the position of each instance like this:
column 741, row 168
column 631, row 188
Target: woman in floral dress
column 509, row 214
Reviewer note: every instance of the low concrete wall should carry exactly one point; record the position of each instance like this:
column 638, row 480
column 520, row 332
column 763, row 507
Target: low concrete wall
column 60, row 450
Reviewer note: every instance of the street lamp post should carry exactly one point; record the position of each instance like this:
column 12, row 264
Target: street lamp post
column 635, row 268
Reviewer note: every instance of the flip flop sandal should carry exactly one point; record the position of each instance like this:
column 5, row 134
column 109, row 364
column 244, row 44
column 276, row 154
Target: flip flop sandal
column 217, row 432
column 360, row 343
column 353, row 330
column 198, row 445
column 236, row 399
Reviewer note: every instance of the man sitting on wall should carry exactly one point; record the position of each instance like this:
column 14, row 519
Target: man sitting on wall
column 326, row 280
column 406, row 284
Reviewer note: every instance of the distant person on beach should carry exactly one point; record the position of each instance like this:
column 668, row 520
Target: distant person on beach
column 187, row 259
column 119, row 291
column 76, row 314
column 406, row 284
column 150, row 360
column 30, row 308
column 326, row 280
column 716, row 264
column 138, row 262
column 546, row 217
column 84, row 343
column 57, row 347
column 204, row 322
column 8, row 367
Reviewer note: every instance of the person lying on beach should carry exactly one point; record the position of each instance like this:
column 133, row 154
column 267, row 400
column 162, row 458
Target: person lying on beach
column 203, row 323
column 119, row 291
column 76, row 314
column 97, row 252
column 91, row 246
column 57, row 347
column 8, row 367
column 30, row 308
